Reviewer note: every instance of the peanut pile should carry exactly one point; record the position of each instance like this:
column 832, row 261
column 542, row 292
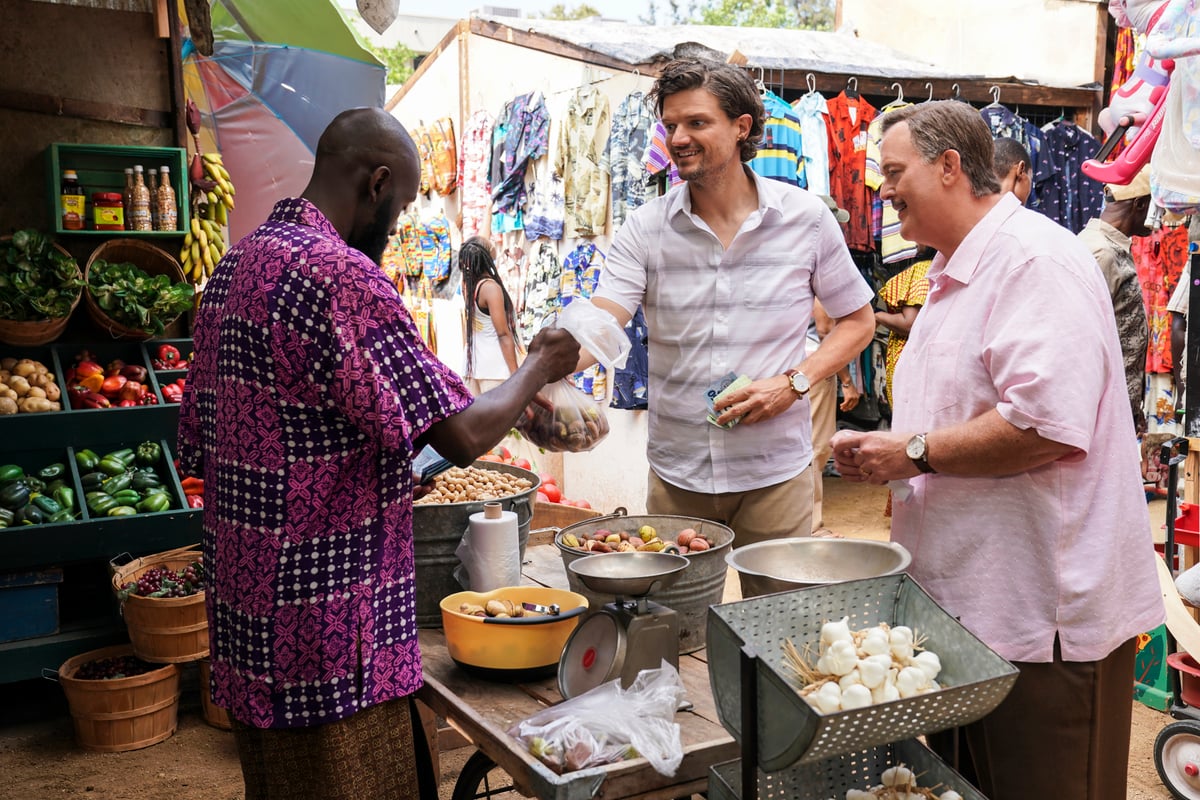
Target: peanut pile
column 473, row 485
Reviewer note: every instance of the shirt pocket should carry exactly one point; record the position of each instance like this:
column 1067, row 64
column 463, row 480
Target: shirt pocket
column 770, row 287
column 941, row 385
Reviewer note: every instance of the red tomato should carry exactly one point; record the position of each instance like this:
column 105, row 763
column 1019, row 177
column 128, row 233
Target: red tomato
column 582, row 504
column 546, row 477
column 564, row 501
column 503, row 452
column 551, row 491
column 523, row 463
column 542, row 498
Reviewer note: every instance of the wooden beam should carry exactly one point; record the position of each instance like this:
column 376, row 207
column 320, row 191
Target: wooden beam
column 426, row 63
column 545, row 44
column 175, row 74
column 58, row 106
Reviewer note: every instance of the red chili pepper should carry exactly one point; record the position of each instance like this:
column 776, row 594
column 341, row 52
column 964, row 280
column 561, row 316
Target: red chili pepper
column 94, row 400
column 192, row 485
column 168, row 353
column 195, row 501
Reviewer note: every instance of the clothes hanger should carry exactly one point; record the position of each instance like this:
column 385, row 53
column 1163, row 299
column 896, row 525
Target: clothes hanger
column 899, row 101
column 852, row 88
column 995, row 92
column 811, row 81
column 929, row 86
column 758, row 82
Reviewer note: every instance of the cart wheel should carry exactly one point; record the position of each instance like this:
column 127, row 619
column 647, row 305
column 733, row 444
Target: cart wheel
column 1177, row 757
column 480, row 777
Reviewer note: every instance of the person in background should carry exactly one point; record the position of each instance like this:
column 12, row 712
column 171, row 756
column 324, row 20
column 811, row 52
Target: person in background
column 1013, row 167
column 823, row 400
column 1024, row 509
column 726, row 266
column 491, row 351
column 1107, row 236
column 902, row 296
column 309, row 395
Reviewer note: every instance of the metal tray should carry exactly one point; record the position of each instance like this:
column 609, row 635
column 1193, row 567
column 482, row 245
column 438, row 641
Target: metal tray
column 975, row 678
column 834, row 776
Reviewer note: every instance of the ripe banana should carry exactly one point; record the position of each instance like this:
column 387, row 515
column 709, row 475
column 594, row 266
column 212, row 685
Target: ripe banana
column 204, row 244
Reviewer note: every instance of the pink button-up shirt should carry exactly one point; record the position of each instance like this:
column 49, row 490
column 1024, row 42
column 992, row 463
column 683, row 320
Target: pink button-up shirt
column 1019, row 320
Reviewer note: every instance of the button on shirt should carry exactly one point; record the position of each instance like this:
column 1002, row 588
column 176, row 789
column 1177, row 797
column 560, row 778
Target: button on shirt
column 1065, row 547
column 710, row 311
column 309, row 388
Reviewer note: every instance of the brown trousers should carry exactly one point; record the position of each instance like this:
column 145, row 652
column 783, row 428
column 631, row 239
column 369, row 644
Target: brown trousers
column 378, row 753
column 1062, row 732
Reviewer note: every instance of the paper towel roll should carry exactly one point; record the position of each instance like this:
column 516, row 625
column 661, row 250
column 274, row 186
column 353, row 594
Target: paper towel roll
column 495, row 549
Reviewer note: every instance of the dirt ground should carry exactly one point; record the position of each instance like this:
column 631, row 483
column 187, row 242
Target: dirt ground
column 40, row 760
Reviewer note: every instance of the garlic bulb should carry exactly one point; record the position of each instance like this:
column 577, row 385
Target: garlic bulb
column 859, row 794
column 885, row 693
column 873, row 670
column 828, row 698
column 835, row 632
column 911, row 681
column 851, row 678
column 928, row 662
column 876, row 642
column 900, row 776
column 856, row 696
column 949, row 794
column 901, row 641
column 841, row 657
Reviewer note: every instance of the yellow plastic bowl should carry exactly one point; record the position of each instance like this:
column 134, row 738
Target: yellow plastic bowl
column 511, row 649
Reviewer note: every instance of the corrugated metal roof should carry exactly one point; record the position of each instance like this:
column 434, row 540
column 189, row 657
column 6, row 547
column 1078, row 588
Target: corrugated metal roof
column 769, row 48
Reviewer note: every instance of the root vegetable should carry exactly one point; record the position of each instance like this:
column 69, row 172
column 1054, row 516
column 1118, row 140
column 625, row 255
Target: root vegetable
column 8, row 406
column 36, row 391
column 7, row 364
column 52, row 391
column 24, row 368
column 35, row 404
column 18, row 385
column 856, row 696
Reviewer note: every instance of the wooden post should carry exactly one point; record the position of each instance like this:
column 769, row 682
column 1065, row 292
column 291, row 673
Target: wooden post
column 430, row 727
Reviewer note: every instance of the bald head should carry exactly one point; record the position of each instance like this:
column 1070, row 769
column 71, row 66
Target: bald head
column 366, row 171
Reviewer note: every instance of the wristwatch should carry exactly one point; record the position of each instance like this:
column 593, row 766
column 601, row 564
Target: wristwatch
column 798, row 381
column 918, row 451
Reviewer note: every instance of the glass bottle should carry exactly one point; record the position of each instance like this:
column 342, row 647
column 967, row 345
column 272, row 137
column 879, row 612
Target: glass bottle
column 127, row 198
column 139, row 204
column 152, row 185
column 168, row 212
column 73, row 202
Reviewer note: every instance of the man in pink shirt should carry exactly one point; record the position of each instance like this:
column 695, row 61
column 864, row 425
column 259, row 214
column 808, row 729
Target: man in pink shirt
column 1014, row 463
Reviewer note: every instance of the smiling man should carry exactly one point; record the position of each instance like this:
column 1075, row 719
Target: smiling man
column 726, row 266
column 1024, row 509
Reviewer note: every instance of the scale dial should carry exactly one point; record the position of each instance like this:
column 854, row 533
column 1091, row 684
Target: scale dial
column 593, row 655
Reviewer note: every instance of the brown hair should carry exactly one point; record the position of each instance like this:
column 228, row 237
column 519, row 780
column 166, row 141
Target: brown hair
column 736, row 94
column 944, row 125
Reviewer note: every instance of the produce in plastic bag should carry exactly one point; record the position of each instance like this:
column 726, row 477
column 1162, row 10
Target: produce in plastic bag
column 609, row 724
column 576, row 424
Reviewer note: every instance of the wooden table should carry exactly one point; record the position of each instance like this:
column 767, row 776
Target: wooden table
column 483, row 711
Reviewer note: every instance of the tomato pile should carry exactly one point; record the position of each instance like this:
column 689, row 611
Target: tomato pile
column 163, row 582
column 103, row 669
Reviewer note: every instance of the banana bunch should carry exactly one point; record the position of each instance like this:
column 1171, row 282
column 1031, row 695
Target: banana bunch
column 220, row 196
column 203, row 246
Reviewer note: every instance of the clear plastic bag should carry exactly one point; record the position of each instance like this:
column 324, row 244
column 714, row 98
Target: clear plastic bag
column 596, row 331
column 609, row 724
column 576, row 424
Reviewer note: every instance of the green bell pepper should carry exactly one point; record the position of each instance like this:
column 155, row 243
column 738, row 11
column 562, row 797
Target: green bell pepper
column 148, row 453
column 92, row 480
column 117, row 482
column 122, row 511
column 99, row 503
column 65, row 496
column 112, row 466
column 86, row 460
column 66, row 515
column 145, row 480
column 126, row 497
column 10, row 472
column 125, row 455
column 155, row 501
column 52, row 471
column 47, row 504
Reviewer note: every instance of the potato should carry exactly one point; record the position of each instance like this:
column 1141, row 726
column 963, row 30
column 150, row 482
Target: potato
column 36, row 391
column 7, row 364
column 7, row 392
column 8, row 405
column 52, row 391
column 18, row 385
column 35, row 404
column 4, row 376
column 24, row 368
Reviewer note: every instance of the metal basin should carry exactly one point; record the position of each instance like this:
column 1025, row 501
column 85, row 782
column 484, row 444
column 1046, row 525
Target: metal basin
column 781, row 565
column 628, row 574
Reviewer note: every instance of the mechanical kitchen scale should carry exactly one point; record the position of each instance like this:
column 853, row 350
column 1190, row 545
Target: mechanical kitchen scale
column 626, row 635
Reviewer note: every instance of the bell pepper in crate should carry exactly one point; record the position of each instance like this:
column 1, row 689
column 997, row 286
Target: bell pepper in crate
column 148, row 453
column 167, row 356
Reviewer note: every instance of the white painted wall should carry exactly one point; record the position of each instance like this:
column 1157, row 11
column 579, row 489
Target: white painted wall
column 1051, row 41
column 614, row 474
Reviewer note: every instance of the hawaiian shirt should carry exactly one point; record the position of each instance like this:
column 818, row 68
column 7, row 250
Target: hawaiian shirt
column 892, row 246
column 1067, row 196
column 1004, row 124
column 521, row 135
column 581, row 138
column 814, row 141
column 657, row 157
column 623, row 158
column 542, row 300
column 547, row 205
column 848, row 122
column 474, row 160
column 580, row 275
column 308, row 392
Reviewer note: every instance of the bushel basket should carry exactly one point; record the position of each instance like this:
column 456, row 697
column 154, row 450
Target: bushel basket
column 29, row 333
column 150, row 259
column 163, row 630
column 974, row 678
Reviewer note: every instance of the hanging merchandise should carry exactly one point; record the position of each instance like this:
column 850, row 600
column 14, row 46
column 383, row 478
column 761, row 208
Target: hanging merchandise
column 547, row 205
column 434, row 237
column 813, row 112
column 892, row 246
column 778, row 156
column 424, row 144
column 444, row 156
column 1067, row 196
column 580, row 275
column 419, row 301
column 657, row 158
column 631, row 380
column 542, row 300
column 1005, row 124
column 623, row 157
column 849, row 118
column 512, row 266
column 521, row 135
column 474, row 157
column 1160, row 259
column 581, row 138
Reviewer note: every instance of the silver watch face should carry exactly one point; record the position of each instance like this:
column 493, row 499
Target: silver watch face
column 915, row 447
column 800, row 382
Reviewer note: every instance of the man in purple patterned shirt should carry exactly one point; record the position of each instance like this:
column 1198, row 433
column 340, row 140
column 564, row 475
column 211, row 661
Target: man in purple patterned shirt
column 309, row 395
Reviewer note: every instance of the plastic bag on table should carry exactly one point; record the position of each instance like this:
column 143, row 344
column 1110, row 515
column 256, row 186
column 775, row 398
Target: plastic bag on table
column 609, row 724
column 576, row 424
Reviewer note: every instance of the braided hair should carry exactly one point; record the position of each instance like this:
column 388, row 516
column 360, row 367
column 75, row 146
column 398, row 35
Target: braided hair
column 477, row 265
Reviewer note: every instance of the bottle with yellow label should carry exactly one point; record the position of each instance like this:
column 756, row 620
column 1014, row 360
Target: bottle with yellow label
column 72, row 199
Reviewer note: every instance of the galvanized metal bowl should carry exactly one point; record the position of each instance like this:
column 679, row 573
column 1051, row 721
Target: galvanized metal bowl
column 781, row 565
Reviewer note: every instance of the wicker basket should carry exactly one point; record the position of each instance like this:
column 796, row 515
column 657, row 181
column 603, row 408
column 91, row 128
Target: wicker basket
column 119, row 714
column 974, row 678
column 36, row 331
column 163, row 630
column 150, row 259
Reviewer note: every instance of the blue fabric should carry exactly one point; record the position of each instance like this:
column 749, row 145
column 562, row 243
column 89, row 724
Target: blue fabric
column 1067, row 196
column 780, row 153
column 630, row 381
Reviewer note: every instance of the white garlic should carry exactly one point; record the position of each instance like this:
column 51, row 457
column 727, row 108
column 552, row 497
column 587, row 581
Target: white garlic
column 873, row 670
column 841, row 657
column 859, row 794
column 823, row 665
column 900, row 640
column 928, row 662
column 911, row 681
column 885, row 693
column 875, row 642
column 900, row 776
column 851, row 678
column 835, row 632
column 856, row 696
column 949, row 794
column 828, row 698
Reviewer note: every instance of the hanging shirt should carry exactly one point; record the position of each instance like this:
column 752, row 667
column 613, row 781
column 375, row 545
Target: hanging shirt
column 1069, row 197
column 1161, row 259
column 541, row 299
column 474, row 160
column 657, row 158
column 523, row 131
column 581, row 139
column 308, row 393
column 778, row 156
column 623, row 157
column 631, row 380
column 580, row 274
column 1004, row 124
column 892, row 246
column 1040, row 171
column 848, row 121
column 434, row 241
column 547, row 205
column 813, row 113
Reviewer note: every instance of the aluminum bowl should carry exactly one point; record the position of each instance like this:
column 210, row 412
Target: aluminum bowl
column 781, row 565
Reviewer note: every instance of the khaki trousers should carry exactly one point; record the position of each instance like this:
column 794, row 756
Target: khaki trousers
column 822, row 397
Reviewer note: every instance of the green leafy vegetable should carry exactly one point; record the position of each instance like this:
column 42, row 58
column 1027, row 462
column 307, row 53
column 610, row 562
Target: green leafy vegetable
column 37, row 281
column 137, row 300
